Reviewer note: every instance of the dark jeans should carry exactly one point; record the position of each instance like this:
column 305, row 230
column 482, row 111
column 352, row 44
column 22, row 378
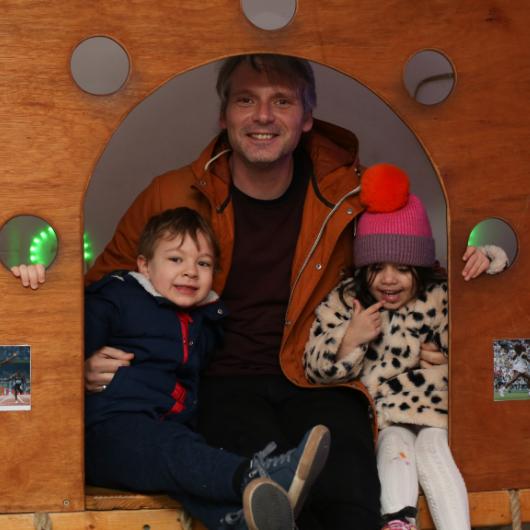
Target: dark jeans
column 243, row 413
column 136, row 452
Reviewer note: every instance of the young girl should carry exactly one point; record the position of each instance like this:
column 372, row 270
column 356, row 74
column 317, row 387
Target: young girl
column 374, row 325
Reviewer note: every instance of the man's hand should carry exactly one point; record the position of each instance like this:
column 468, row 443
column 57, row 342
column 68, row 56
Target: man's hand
column 476, row 263
column 365, row 326
column 101, row 366
column 431, row 356
column 30, row 275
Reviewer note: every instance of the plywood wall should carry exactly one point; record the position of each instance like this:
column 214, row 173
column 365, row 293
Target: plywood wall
column 52, row 134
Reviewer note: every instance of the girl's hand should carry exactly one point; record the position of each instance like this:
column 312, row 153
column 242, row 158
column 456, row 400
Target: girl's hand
column 476, row 263
column 365, row 326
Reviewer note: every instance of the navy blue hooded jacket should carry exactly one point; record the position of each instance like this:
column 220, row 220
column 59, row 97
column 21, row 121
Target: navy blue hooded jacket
column 170, row 345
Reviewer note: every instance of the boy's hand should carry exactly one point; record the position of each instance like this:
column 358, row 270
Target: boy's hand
column 365, row 326
column 476, row 263
column 102, row 365
column 30, row 275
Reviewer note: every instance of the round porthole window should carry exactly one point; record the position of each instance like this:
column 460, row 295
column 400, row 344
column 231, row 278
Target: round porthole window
column 27, row 239
column 269, row 14
column 429, row 77
column 99, row 66
column 494, row 231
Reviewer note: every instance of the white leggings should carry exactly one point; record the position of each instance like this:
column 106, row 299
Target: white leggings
column 405, row 458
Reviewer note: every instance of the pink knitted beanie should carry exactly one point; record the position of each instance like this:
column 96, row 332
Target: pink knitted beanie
column 401, row 236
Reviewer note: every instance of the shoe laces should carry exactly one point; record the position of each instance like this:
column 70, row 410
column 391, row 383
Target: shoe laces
column 262, row 462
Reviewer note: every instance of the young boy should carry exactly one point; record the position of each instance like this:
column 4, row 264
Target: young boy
column 139, row 428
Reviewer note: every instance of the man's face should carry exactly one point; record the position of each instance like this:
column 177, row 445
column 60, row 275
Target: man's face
column 264, row 116
column 180, row 270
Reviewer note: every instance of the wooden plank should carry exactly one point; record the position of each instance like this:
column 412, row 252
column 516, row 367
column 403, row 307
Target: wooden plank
column 524, row 498
column 53, row 133
column 108, row 499
column 490, row 508
column 104, row 520
column 486, row 508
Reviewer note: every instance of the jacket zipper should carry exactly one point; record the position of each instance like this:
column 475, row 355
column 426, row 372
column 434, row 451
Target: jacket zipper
column 317, row 241
column 179, row 393
column 356, row 190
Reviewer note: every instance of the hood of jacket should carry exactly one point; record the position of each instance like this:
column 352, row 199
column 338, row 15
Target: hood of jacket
column 329, row 147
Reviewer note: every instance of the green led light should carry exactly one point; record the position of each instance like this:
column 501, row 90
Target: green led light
column 43, row 247
column 87, row 248
column 474, row 237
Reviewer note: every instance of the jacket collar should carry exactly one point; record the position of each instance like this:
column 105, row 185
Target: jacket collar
column 148, row 286
column 330, row 148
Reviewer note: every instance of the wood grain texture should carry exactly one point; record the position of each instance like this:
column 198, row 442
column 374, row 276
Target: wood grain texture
column 486, row 509
column 109, row 520
column 108, row 499
column 52, row 135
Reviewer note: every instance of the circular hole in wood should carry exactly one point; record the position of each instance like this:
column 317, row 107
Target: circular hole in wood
column 99, row 66
column 429, row 77
column 27, row 239
column 494, row 231
column 269, row 14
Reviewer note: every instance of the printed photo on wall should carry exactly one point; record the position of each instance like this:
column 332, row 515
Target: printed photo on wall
column 511, row 369
column 15, row 377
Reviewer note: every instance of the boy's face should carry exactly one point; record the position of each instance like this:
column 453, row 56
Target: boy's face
column 180, row 270
column 392, row 284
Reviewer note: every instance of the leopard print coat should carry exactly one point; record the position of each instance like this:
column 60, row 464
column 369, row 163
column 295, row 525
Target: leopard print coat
column 389, row 365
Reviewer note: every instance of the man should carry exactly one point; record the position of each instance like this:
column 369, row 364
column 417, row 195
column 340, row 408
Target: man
column 280, row 190
column 267, row 201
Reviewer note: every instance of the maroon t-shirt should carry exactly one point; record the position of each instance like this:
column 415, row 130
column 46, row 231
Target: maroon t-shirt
column 258, row 284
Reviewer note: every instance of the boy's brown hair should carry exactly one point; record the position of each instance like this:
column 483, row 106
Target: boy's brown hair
column 177, row 222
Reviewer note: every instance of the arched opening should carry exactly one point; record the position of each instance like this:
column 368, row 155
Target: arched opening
column 171, row 127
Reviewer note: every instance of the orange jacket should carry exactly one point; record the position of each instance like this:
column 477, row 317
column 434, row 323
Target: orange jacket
column 324, row 248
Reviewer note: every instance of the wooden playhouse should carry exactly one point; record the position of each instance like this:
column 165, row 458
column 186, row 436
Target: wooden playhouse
column 52, row 134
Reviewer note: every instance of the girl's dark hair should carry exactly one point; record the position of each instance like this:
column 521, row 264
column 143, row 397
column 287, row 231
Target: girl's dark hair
column 177, row 222
column 422, row 277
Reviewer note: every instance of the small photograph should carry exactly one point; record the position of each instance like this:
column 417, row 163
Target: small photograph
column 15, row 378
column 511, row 369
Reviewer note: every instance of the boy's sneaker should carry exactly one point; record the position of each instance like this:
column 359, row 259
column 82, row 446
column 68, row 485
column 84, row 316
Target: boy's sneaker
column 266, row 506
column 398, row 524
column 297, row 469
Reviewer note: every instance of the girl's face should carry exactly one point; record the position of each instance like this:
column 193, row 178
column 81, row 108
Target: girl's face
column 392, row 284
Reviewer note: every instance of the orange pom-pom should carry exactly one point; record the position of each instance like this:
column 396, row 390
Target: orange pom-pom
column 384, row 188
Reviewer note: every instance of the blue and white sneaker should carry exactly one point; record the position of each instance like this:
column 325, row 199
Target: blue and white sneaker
column 266, row 506
column 296, row 470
